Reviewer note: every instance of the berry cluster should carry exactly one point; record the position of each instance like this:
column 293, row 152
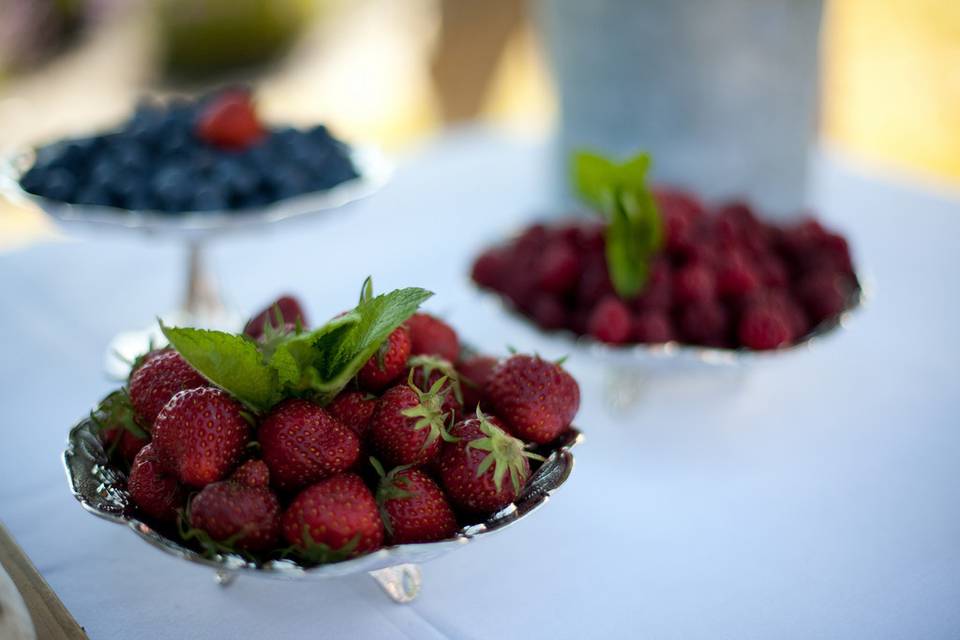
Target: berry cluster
column 211, row 154
column 424, row 439
column 723, row 279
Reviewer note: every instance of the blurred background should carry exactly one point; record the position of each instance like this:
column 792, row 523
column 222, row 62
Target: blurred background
column 395, row 72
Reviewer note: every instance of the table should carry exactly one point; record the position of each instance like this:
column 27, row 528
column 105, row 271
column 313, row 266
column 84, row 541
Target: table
column 815, row 496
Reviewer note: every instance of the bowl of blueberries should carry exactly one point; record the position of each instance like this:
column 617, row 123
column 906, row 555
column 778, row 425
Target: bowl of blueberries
column 193, row 168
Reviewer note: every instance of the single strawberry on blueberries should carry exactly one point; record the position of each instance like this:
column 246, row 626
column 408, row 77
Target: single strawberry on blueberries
column 431, row 336
column 201, row 435
column 240, row 513
column 388, row 363
column 302, row 443
column 157, row 380
column 230, row 121
column 155, row 490
column 535, row 398
column 610, row 321
column 334, row 519
column 409, row 424
column 413, row 508
column 485, row 468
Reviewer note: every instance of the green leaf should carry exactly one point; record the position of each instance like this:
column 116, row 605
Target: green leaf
column 594, row 176
column 229, row 361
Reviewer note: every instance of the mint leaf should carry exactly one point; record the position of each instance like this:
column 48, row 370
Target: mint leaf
column 232, row 362
column 634, row 227
column 294, row 359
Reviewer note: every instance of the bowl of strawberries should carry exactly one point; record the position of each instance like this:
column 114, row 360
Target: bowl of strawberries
column 369, row 444
column 662, row 276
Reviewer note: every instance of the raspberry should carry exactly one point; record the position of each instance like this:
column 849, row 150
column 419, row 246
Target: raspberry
column 548, row 312
column 559, row 268
column 694, row 283
column 705, row 323
column 657, row 291
column 736, row 276
column 652, row 327
column 594, row 282
column 765, row 326
column 773, row 272
column 230, row 121
column 489, row 269
column 610, row 321
column 824, row 294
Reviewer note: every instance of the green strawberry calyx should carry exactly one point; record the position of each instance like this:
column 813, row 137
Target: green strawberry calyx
column 390, row 487
column 505, row 454
column 115, row 411
column 315, row 552
column 211, row 548
column 425, row 366
column 428, row 411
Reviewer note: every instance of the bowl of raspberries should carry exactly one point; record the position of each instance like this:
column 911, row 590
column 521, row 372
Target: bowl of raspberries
column 369, row 444
column 193, row 165
column 666, row 275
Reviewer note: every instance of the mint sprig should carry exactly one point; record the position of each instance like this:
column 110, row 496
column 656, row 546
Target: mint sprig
column 619, row 192
column 315, row 364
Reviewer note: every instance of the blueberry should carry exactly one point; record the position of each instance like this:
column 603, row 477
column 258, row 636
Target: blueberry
column 237, row 179
column 320, row 135
column 172, row 185
column 175, row 143
column 95, row 195
column 288, row 180
column 33, row 179
column 103, row 171
column 209, row 197
column 59, row 184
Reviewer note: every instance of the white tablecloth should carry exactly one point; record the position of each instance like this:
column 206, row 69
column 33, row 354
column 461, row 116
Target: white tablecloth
column 816, row 496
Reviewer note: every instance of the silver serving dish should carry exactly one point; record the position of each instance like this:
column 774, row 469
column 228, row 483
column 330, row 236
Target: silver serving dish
column 101, row 489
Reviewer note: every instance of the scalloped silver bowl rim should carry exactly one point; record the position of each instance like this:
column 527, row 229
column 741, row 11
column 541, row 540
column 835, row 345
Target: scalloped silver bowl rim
column 641, row 353
column 84, row 454
column 372, row 166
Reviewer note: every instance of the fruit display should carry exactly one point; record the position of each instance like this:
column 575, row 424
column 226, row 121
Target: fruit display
column 664, row 267
column 210, row 154
column 285, row 443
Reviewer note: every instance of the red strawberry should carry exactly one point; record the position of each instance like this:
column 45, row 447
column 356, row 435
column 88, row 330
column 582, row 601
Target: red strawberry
column 302, row 443
column 475, row 372
column 485, row 469
column 286, row 310
column 154, row 489
column 388, row 363
column 334, row 519
column 413, row 507
column 537, row 399
column 230, row 121
column 159, row 379
column 201, row 435
column 354, row 409
column 431, row 336
column 237, row 515
column 425, row 371
column 117, row 427
column 252, row 473
column 409, row 424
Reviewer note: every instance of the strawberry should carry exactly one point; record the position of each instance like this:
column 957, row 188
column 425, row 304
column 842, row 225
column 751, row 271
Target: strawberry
column 286, row 310
column 354, row 409
column 157, row 380
column 230, row 121
column 475, row 372
column 412, row 506
column 117, row 426
column 302, row 443
column 252, row 473
column 408, row 425
column 235, row 514
column 388, row 363
column 154, row 489
column 485, row 468
column 201, row 435
column 537, row 399
column 424, row 373
column 431, row 336
column 334, row 519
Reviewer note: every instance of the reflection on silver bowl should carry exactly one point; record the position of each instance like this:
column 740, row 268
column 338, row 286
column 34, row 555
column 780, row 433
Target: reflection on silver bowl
column 101, row 489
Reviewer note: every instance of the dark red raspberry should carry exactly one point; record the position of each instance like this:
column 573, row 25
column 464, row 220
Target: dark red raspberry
column 594, row 283
column 652, row 327
column 706, row 323
column 773, row 272
column 657, row 292
column 491, row 267
column 548, row 312
column 610, row 321
column 559, row 268
column 765, row 326
column 824, row 294
column 736, row 276
column 693, row 284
